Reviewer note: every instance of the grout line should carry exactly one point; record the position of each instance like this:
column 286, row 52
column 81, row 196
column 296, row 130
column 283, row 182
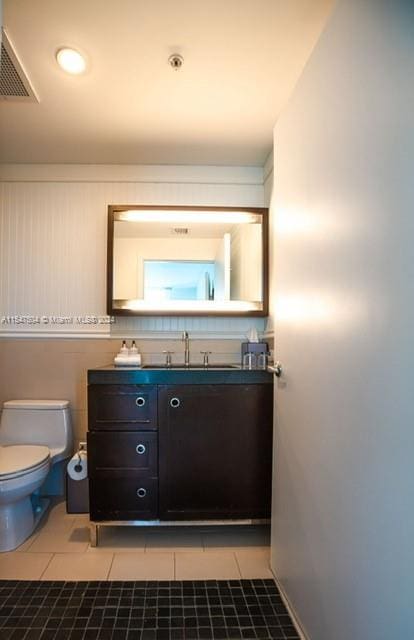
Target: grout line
column 31, row 543
column 44, row 570
column 237, row 563
column 110, row 566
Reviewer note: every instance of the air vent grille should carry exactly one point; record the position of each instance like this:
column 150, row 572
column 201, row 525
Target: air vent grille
column 14, row 84
column 180, row 231
column 10, row 83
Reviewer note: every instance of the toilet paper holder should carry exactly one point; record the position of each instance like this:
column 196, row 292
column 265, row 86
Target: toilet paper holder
column 77, row 491
column 81, row 447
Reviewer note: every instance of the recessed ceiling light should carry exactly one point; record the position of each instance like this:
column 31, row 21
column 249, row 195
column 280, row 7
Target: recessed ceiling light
column 71, row 61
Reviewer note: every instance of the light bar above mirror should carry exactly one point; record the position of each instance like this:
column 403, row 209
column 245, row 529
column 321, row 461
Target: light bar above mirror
column 189, row 217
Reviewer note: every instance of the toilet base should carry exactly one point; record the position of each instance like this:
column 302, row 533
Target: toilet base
column 18, row 520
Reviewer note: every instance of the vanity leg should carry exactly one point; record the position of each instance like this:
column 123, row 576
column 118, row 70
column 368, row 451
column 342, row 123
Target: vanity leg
column 94, row 534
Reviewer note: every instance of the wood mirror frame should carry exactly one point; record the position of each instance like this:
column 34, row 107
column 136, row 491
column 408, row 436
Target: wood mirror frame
column 112, row 310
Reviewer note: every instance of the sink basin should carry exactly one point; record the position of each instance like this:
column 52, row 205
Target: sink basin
column 191, row 366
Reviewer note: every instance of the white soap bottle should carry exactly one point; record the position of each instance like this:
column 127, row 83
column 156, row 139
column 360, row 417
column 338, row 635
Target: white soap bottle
column 134, row 355
column 124, row 351
column 122, row 357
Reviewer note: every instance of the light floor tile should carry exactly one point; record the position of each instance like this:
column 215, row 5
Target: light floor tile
column 254, row 564
column 235, row 538
column 23, row 566
column 27, row 543
column 75, row 566
column 175, row 541
column 56, row 524
column 81, row 520
column 74, row 540
column 57, row 512
column 206, row 566
column 142, row 566
column 120, row 539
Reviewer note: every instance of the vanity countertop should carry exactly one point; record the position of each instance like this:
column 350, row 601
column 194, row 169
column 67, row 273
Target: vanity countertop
column 179, row 375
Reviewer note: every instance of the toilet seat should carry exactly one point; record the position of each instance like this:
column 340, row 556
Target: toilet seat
column 18, row 460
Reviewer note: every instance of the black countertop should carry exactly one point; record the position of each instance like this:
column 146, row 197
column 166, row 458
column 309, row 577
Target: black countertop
column 138, row 375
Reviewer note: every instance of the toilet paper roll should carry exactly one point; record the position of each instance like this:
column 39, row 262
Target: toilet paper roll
column 78, row 466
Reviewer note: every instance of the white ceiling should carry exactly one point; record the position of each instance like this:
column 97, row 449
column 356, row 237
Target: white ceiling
column 242, row 59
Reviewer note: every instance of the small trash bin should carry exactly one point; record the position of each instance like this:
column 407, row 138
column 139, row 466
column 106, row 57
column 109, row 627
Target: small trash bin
column 77, row 495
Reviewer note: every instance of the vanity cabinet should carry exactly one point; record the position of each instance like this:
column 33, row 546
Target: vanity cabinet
column 179, row 445
column 215, row 444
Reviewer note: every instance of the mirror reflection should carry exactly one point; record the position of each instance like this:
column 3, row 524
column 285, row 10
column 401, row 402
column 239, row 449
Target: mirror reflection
column 190, row 261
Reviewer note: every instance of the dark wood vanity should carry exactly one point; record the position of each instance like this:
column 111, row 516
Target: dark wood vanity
column 179, row 445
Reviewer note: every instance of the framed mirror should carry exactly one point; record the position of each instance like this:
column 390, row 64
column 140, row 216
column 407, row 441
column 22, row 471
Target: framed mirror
column 187, row 261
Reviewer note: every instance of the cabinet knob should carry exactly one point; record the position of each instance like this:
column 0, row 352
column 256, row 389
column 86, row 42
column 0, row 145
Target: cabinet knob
column 141, row 492
column 174, row 403
column 140, row 448
column 140, row 401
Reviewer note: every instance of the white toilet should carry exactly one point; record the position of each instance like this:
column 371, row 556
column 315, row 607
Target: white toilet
column 34, row 435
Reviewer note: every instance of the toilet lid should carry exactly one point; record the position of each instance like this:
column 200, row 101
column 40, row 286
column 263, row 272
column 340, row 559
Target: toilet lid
column 20, row 458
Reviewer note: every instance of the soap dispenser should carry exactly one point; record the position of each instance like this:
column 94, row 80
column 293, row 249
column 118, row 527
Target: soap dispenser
column 134, row 355
column 124, row 351
column 122, row 357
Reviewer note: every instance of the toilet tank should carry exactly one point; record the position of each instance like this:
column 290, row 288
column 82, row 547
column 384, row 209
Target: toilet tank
column 44, row 422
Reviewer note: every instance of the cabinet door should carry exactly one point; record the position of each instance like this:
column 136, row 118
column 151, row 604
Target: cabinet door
column 122, row 454
column 215, row 451
column 126, row 407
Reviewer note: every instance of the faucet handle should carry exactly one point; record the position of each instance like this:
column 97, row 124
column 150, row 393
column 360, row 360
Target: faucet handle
column 205, row 358
column 168, row 360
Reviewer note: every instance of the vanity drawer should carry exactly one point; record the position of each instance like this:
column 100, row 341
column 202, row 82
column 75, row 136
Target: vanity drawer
column 123, row 454
column 124, row 407
column 123, row 498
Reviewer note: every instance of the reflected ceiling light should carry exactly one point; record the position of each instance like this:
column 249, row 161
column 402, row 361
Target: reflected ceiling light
column 71, row 61
column 193, row 305
column 218, row 217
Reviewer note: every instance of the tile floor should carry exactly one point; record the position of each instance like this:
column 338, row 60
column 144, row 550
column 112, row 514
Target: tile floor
column 59, row 550
column 166, row 610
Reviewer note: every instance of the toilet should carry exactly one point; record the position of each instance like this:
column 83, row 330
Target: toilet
column 34, row 435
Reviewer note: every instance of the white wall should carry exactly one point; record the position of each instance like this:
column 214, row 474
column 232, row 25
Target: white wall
column 53, row 221
column 246, row 262
column 343, row 512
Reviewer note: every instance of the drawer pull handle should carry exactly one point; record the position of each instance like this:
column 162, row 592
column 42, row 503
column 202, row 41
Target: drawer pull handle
column 174, row 403
column 140, row 401
column 140, row 448
column 141, row 492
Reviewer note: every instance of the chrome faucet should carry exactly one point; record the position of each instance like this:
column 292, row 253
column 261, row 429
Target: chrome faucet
column 186, row 339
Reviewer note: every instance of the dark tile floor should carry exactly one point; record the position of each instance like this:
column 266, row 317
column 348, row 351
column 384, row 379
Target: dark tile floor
column 231, row 609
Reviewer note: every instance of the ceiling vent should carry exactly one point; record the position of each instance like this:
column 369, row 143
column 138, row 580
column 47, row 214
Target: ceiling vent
column 14, row 83
column 180, row 231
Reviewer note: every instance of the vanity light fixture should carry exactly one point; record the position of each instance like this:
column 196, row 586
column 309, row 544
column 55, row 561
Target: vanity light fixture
column 71, row 60
column 221, row 217
column 228, row 306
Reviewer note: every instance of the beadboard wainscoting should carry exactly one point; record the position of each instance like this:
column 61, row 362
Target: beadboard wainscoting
column 53, row 225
